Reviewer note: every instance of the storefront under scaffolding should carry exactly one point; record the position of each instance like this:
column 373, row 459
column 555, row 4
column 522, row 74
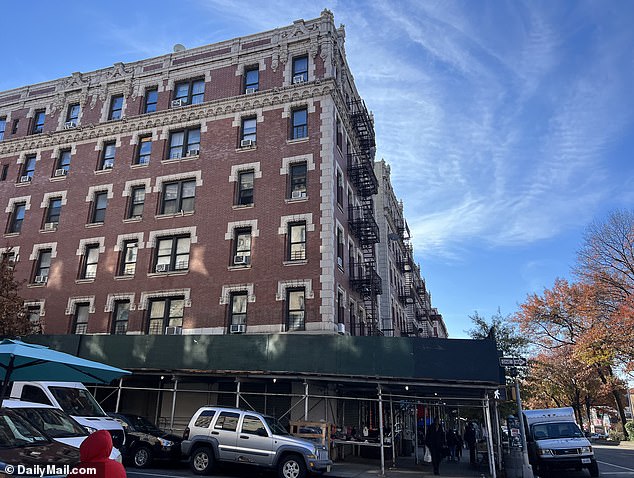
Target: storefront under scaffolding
column 368, row 396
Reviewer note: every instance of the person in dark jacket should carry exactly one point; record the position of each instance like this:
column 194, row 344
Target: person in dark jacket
column 470, row 440
column 435, row 440
column 94, row 453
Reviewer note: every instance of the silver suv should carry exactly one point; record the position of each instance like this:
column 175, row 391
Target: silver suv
column 239, row 436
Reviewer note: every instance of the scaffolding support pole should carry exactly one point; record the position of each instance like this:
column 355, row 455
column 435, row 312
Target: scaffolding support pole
column 116, row 408
column 173, row 405
column 393, row 433
column 237, row 393
column 381, row 430
column 487, row 419
column 497, row 435
column 305, row 400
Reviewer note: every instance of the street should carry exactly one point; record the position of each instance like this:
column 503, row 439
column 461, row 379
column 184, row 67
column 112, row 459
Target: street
column 615, row 461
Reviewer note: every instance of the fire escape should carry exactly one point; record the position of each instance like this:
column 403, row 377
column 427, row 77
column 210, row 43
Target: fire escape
column 363, row 276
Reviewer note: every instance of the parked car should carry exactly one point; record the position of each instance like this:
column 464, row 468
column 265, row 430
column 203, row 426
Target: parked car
column 23, row 444
column 145, row 442
column 240, row 436
column 54, row 423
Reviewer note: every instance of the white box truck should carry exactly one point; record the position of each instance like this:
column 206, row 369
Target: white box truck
column 555, row 442
column 75, row 399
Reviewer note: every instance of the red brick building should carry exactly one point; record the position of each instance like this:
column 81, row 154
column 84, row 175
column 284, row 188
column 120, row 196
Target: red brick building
column 220, row 189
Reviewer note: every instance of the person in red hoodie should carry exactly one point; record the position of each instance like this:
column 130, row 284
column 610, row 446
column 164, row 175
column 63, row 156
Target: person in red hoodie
column 95, row 455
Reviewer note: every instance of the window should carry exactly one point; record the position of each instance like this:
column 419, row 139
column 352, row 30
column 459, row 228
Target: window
column 137, row 201
column 295, row 309
column 144, row 150
column 252, row 425
column 4, row 173
column 238, row 308
column 80, row 321
column 14, row 126
column 340, row 247
column 178, row 196
column 128, row 257
column 33, row 394
column 43, row 265
column 121, row 313
column 184, row 143
column 247, row 132
column 341, row 318
column 300, row 69
column 245, row 188
column 227, row 421
column 339, row 188
column 298, row 180
column 172, row 254
column 33, row 314
column 299, row 124
column 63, row 163
column 204, row 419
column 151, row 99
column 3, row 126
column 107, row 155
column 339, row 134
column 251, row 80
column 17, row 217
column 100, row 203
column 116, row 108
column 9, row 258
column 297, row 241
column 28, row 169
column 72, row 116
column 90, row 260
column 53, row 211
column 189, row 93
column 38, row 122
column 167, row 312
column 242, row 246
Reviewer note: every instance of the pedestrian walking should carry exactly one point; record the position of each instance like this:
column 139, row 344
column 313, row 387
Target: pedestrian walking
column 470, row 440
column 435, row 440
column 452, row 443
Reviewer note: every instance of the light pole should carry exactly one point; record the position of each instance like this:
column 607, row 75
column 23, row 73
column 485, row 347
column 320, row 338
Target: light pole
column 527, row 469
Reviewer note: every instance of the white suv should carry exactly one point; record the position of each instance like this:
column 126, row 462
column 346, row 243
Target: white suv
column 239, row 436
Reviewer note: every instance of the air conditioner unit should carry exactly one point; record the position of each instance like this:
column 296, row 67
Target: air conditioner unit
column 70, row 125
column 247, row 143
column 181, row 265
column 341, row 329
column 237, row 328
column 60, row 172
column 176, row 330
column 50, row 226
column 248, row 91
column 298, row 79
column 193, row 152
column 25, row 179
column 241, row 259
column 40, row 279
column 162, row 267
column 108, row 165
column 179, row 102
column 298, row 194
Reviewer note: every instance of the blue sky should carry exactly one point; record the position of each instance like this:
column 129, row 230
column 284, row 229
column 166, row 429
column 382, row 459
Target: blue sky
column 508, row 124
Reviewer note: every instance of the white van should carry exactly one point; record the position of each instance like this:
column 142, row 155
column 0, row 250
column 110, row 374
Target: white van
column 55, row 423
column 75, row 399
column 556, row 442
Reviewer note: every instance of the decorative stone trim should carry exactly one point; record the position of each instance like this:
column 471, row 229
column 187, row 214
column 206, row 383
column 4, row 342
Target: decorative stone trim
column 81, row 250
column 112, row 298
column 58, row 149
column 307, row 284
column 14, row 249
column 178, row 177
column 52, row 195
column 71, row 307
column 12, row 202
column 153, row 235
column 45, row 245
column 146, row 296
column 225, row 297
column 309, row 104
column 134, row 139
column 245, row 64
column 239, row 116
column 287, row 162
column 36, row 303
column 129, row 185
column 238, row 168
column 285, row 220
column 92, row 190
column 231, row 226
column 118, row 247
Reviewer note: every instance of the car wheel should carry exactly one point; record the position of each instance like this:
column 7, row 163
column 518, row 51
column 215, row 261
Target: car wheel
column 202, row 461
column 292, row 466
column 594, row 469
column 142, row 457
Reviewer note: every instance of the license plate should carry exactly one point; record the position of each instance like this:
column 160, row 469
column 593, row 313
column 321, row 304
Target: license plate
column 327, row 468
column 585, row 460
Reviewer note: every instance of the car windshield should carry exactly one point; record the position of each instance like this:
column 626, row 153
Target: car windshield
column 142, row 424
column 546, row 431
column 15, row 431
column 275, row 426
column 77, row 402
column 53, row 422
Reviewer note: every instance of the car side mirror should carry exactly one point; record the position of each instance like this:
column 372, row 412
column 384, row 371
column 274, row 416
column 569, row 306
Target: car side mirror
column 261, row 432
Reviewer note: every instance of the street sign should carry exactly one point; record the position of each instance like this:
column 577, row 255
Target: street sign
column 513, row 362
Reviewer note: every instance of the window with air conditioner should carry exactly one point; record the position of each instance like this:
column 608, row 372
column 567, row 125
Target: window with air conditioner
column 28, row 168
column 189, row 92
column 300, row 69
column 173, row 330
column 165, row 312
column 183, row 141
column 43, row 265
column 108, row 155
column 72, row 116
column 248, row 132
column 62, row 163
column 242, row 246
column 238, row 312
column 172, row 253
column 251, row 80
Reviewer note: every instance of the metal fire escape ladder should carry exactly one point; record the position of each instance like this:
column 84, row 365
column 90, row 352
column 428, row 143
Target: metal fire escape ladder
column 364, row 277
